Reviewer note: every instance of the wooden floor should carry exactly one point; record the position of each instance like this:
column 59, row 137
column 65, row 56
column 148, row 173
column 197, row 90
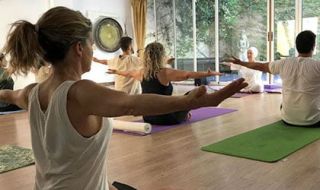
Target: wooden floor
column 173, row 159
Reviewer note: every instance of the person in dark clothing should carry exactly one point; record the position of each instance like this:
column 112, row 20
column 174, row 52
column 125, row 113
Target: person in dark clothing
column 156, row 79
column 6, row 82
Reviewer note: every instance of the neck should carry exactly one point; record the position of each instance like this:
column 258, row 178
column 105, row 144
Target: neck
column 305, row 54
column 63, row 71
column 126, row 52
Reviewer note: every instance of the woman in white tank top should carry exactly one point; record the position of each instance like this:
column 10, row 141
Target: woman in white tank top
column 69, row 122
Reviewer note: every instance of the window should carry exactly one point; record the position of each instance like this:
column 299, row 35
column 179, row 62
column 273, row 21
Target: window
column 205, row 24
column 242, row 24
column 311, row 21
column 284, row 31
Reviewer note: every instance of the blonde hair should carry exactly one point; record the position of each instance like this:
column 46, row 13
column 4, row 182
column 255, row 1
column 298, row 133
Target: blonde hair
column 153, row 57
column 49, row 39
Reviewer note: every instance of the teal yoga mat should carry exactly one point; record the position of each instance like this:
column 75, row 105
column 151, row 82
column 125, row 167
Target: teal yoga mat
column 270, row 143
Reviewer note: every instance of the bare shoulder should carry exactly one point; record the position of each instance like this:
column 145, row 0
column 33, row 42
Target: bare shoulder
column 30, row 87
column 82, row 87
column 164, row 75
column 85, row 90
column 167, row 71
column 81, row 92
column 26, row 91
column 22, row 96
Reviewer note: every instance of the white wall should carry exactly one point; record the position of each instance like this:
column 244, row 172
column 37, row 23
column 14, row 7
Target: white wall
column 31, row 10
column 13, row 10
column 117, row 9
column 65, row 3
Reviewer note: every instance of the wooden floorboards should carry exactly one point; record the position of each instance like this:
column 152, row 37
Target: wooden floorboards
column 173, row 160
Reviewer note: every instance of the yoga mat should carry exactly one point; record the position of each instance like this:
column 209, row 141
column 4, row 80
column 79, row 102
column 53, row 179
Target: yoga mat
column 196, row 115
column 11, row 112
column 272, row 86
column 270, row 143
column 275, row 91
column 133, row 127
column 14, row 157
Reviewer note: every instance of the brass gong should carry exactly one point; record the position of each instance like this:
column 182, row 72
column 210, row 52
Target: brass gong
column 107, row 34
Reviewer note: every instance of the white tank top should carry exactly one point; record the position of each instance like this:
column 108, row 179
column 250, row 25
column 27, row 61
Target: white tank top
column 65, row 159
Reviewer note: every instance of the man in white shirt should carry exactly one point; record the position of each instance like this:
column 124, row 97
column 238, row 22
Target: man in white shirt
column 125, row 62
column 301, row 82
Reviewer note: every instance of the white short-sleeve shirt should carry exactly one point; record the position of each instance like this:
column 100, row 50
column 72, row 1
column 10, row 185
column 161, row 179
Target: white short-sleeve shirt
column 126, row 63
column 300, row 89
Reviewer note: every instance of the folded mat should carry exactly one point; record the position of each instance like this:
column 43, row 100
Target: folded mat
column 196, row 115
column 270, row 143
column 14, row 157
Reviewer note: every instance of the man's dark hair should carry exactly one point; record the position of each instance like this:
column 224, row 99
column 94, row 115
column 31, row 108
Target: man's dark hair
column 305, row 41
column 125, row 43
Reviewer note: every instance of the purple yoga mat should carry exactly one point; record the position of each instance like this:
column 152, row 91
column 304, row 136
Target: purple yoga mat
column 276, row 91
column 272, row 86
column 196, row 115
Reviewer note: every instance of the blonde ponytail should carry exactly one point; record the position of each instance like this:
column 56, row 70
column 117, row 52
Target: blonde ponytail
column 49, row 39
column 22, row 47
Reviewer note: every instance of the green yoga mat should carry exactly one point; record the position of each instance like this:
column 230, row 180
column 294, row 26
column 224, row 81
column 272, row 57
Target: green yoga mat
column 270, row 143
column 14, row 157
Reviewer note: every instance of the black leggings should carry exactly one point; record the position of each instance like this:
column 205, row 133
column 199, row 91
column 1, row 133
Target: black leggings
column 167, row 119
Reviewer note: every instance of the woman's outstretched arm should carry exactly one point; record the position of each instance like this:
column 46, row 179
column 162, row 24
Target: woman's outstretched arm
column 264, row 67
column 106, row 102
column 136, row 74
column 180, row 75
column 16, row 97
column 102, row 61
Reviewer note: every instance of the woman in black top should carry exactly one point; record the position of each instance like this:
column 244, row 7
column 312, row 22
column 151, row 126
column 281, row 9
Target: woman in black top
column 156, row 79
column 6, row 82
column 153, row 86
